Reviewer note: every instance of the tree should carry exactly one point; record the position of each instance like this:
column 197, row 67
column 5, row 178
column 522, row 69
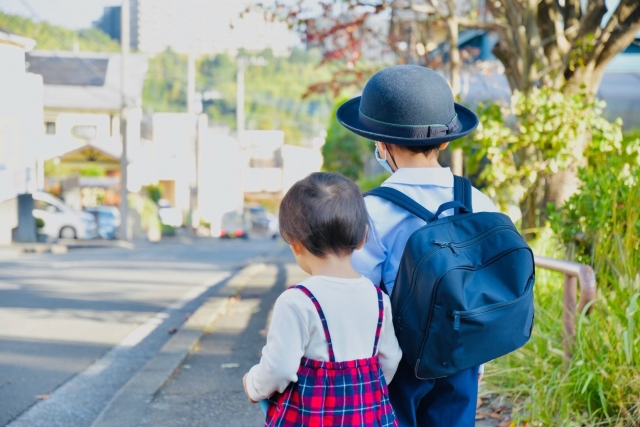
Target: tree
column 51, row 37
column 343, row 150
column 542, row 43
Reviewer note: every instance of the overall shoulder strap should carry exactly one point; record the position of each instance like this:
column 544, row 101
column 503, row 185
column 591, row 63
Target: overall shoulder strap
column 380, row 320
column 323, row 319
column 462, row 192
column 402, row 200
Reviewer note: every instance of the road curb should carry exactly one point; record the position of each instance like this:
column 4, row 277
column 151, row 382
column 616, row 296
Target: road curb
column 38, row 248
column 96, row 243
column 129, row 405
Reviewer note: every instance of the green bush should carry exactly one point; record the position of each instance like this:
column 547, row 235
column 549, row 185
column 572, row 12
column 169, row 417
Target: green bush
column 603, row 216
column 167, row 230
column 370, row 183
column 154, row 192
column 343, row 150
column 600, row 385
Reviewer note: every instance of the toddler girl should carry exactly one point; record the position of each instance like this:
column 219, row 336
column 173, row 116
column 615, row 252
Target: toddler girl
column 331, row 348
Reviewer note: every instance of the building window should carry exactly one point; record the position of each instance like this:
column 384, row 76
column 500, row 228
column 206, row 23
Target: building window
column 50, row 128
column 85, row 132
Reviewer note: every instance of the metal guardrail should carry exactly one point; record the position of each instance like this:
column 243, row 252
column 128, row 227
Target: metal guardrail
column 574, row 273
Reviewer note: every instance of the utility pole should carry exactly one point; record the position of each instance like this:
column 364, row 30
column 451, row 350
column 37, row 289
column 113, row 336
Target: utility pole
column 242, row 64
column 124, row 58
column 240, row 98
column 194, row 220
column 191, row 83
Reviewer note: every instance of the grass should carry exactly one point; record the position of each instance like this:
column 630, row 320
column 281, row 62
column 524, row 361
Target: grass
column 600, row 385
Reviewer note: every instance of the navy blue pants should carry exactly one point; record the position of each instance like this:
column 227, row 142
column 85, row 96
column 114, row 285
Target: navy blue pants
column 443, row 402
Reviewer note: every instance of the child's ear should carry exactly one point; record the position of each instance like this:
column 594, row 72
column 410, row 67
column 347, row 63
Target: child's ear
column 296, row 248
column 361, row 244
column 444, row 145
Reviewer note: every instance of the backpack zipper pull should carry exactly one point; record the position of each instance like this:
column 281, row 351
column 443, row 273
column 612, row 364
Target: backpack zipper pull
column 456, row 320
column 446, row 245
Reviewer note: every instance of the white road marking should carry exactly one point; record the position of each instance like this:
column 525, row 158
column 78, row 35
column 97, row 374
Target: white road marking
column 6, row 286
column 97, row 384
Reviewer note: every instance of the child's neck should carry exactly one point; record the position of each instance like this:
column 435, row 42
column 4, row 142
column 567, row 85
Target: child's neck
column 333, row 266
column 407, row 159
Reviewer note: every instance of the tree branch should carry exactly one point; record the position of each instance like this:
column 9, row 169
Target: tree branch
column 623, row 34
column 592, row 18
column 472, row 23
column 572, row 14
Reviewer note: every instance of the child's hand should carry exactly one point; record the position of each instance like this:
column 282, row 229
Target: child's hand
column 244, row 384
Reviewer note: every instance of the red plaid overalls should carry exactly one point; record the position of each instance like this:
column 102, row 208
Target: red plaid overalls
column 327, row 394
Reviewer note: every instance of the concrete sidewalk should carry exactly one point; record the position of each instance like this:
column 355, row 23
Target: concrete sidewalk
column 207, row 388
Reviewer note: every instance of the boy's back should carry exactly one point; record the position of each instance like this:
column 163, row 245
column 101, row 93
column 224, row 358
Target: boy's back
column 410, row 114
column 391, row 226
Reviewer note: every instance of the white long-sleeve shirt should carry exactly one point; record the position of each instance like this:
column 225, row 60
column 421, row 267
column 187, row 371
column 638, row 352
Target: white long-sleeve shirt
column 351, row 309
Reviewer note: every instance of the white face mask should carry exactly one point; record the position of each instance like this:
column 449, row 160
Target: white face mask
column 383, row 162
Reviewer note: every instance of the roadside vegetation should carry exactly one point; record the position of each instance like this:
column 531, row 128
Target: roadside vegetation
column 599, row 226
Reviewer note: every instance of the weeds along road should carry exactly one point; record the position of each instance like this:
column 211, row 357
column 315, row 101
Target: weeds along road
column 88, row 320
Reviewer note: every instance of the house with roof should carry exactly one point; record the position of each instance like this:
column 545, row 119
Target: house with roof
column 21, row 134
column 83, row 99
column 83, row 106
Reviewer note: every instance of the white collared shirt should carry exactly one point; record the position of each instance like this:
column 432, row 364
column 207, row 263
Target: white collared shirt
column 390, row 226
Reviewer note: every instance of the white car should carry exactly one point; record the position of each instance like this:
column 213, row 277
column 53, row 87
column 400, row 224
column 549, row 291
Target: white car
column 169, row 215
column 60, row 220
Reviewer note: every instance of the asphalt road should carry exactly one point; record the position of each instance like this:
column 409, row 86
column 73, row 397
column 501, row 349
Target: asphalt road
column 75, row 327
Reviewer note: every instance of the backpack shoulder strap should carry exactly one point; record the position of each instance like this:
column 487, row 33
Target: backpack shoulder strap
column 462, row 192
column 402, row 200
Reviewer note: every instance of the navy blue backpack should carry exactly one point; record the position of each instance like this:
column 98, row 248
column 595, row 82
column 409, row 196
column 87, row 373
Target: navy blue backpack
column 464, row 290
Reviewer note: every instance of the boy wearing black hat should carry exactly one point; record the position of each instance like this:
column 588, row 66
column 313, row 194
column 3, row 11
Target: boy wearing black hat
column 410, row 112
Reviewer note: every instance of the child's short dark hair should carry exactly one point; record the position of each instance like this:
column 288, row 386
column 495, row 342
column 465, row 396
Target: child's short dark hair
column 326, row 213
column 422, row 149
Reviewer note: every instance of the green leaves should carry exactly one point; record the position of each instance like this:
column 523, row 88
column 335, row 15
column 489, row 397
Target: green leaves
column 343, row 150
column 603, row 216
column 539, row 134
column 515, row 150
column 52, row 37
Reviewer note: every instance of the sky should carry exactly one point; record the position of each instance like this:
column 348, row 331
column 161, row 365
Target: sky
column 81, row 13
column 67, row 13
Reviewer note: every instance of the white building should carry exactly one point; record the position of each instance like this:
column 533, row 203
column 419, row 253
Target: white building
column 82, row 109
column 270, row 168
column 205, row 27
column 83, row 100
column 21, row 131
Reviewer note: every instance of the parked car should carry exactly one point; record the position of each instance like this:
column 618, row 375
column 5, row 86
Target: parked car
column 263, row 222
column 274, row 227
column 60, row 220
column 235, row 224
column 108, row 218
column 169, row 215
column 258, row 216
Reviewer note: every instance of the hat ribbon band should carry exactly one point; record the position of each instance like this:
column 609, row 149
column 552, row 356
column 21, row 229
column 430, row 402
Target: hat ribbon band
column 410, row 131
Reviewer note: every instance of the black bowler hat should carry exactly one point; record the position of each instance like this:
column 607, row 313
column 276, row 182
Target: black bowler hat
column 407, row 105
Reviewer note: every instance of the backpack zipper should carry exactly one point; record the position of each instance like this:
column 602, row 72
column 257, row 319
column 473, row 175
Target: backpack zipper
column 449, row 245
column 452, row 246
column 471, row 313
